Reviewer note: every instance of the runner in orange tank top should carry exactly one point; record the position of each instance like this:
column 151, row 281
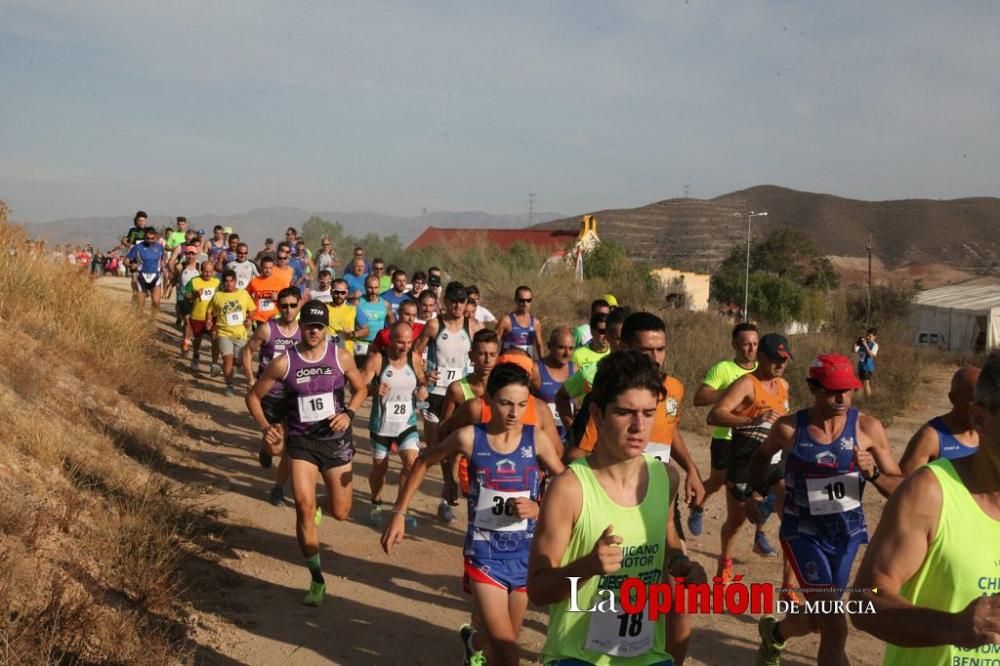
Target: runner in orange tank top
column 750, row 406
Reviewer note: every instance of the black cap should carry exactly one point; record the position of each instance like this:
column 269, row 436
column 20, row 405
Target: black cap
column 314, row 312
column 434, row 281
column 455, row 292
column 775, row 347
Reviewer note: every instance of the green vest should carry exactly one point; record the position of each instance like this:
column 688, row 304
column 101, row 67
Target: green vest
column 643, row 531
column 962, row 563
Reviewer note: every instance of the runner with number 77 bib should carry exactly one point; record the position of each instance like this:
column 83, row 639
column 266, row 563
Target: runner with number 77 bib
column 504, row 458
column 831, row 452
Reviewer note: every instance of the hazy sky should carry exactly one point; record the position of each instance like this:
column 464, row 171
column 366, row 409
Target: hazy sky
column 210, row 106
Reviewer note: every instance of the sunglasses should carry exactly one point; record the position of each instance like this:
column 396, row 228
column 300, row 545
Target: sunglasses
column 524, row 300
column 602, row 331
column 283, row 256
column 241, row 254
column 339, row 292
column 288, row 305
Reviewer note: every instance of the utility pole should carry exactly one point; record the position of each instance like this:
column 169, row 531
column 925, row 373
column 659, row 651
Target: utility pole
column 868, row 246
column 531, row 209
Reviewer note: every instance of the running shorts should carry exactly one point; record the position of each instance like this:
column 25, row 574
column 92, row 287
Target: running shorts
column 231, row 346
column 325, row 454
column 507, row 574
column 741, row 452
column 147, row 281
column 817, row 565
column 184, row 307
column 199, row 327
column 719, row 451
column 435, row 404
column 408, row 440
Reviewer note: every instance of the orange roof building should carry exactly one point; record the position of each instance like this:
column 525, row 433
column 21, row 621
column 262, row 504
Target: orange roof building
column 547, row 240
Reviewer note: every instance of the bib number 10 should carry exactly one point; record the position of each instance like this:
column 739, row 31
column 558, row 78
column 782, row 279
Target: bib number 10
column 835, row 491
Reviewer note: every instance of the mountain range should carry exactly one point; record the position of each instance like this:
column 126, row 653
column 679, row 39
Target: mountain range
column 260, row 223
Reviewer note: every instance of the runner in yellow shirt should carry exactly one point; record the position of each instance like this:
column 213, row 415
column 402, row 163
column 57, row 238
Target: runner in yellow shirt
column 230, row 324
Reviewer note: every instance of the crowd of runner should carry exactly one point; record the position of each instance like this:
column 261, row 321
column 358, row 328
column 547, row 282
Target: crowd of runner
column 564, row 441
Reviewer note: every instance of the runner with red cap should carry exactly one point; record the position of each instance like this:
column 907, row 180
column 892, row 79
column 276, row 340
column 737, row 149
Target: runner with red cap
column 831, row 451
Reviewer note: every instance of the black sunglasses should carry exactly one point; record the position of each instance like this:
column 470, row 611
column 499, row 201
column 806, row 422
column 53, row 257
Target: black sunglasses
column 338, row 292
column 524, row 300
column 288, row 305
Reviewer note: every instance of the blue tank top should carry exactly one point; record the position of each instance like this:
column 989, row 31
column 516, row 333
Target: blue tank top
column 949, row 446
column 495, row 480
column 148, row 256
column 548, row 389
column 520, row 336
column 824, row 487
column 375, row 313
column 317, row 389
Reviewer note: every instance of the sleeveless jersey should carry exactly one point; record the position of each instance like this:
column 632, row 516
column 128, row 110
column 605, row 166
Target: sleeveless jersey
column 317, row 389
column 396, row 412
column 186, row 276
column 376, row 315
column 522, row 337
column 496, row 479
column 148, row 256
column 949, row 446
column 960, row 565
column 824, row 487
column 322, row 296
column 763, row 400
column 467, row 392
column 547, row 392
column 448, row 353
column 277, row 343
column 608, row 638
column 214, row 250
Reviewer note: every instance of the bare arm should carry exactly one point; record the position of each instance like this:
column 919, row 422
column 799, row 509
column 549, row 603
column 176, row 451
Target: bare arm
column 694, row 489
column 738, row 394
column 547, row 424
column 548, row 581
column 275, row 370
column 427, row 334
column 894, row 555
column 873, row 435
column 922, row 448
column 257, row 340
column 780, row 438
column 564, row 406
column 539, row 339
column 706, row 395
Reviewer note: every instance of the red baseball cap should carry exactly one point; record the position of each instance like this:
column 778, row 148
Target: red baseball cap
column 834, row 372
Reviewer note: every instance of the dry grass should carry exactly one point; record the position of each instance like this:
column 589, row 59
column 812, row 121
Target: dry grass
column 92, row 537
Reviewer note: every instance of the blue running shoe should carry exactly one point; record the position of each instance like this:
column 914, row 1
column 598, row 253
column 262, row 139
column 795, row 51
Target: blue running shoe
column 761, row 546
column 694, row 521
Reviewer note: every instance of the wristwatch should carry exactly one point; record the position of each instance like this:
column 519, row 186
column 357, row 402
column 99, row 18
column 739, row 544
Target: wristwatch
column 874, row 475
column 350, row 413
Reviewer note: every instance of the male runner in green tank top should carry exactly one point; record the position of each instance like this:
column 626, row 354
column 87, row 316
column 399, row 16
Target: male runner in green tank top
column 610, row 518
column 932, row 570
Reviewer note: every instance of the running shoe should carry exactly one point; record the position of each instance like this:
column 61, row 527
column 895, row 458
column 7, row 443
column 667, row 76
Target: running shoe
column 185, row 345
column 315, row 595
column 725, row 570
column 694, row 521
column 409, row 521
column 277, row 496
column 230, row 391
column 195, row 360
column 769, row 652
column 318, row 517
column 472, row 657
column 445, row 512
column 265, row 459
column 215, row 370
column 375, row 515
column 762, row 546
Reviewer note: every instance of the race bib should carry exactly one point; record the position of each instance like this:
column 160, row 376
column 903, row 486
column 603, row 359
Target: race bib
column 398, row 411
column 620, row 635
column 241, row 283
column 265, row 305
column 834, row 494
column 659, row 451
column 338, row 341
column 445, row 377
column 495, row 511
column 207, row 293
column 317, row 407
column 234, row 318
column 361, row 347
column 555, row 413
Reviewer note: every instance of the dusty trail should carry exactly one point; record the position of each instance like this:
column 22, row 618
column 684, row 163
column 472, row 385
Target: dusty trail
column 403, row 609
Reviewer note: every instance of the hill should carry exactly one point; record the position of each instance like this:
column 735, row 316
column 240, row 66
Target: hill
column 697, row 234
column 260, row 223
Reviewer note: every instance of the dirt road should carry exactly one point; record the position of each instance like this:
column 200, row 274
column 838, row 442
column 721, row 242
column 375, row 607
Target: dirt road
column 403, row 609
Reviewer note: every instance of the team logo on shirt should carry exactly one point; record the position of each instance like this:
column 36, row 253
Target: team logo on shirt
column 506, row 466
column 388, row 373
column 670, row 406
column 444, row 336
column 826, row 459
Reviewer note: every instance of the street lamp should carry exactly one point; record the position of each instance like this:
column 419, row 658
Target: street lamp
column 746, row 285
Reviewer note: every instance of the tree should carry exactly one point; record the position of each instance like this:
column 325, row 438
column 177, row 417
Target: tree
column 787, row 269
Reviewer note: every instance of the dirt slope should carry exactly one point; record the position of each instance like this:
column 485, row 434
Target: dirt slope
column 404, row 609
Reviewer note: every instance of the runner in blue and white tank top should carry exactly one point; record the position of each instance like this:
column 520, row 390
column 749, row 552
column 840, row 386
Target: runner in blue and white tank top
column 504, row 469
column 831, row 452
column 399, row 382
column 146, row 258
column 950, row 435
column 520, row 328
column 318, row 441
column 554, row 370
column 378, row 313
